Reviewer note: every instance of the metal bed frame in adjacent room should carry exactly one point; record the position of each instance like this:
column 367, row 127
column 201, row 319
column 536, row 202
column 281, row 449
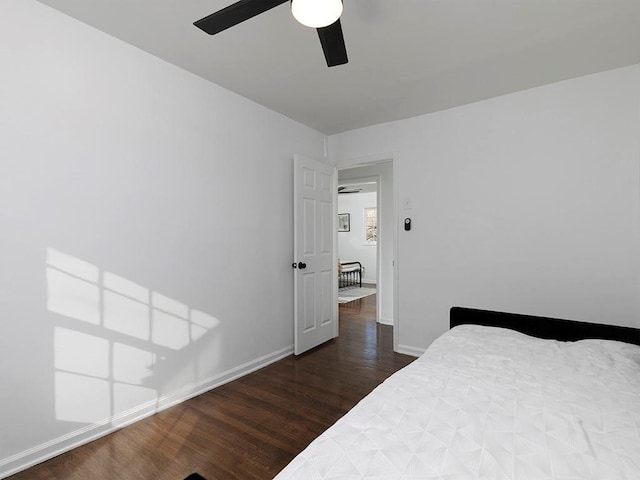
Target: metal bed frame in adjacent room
column 350, row 275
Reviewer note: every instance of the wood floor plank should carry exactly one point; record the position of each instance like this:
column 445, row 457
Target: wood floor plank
column 252, row 427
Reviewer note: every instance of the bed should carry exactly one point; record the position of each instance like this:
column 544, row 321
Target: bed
column 488, row 400
column 349, row 274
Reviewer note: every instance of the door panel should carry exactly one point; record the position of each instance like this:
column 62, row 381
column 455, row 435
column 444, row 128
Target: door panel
column 326, row 301
column 309, row 227
column 309, row 283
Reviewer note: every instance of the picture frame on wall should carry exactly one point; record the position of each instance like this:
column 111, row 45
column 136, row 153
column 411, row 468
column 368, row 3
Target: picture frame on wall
column 344, row 222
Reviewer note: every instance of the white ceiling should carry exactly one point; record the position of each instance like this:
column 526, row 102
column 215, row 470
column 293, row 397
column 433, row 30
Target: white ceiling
column 406, row 57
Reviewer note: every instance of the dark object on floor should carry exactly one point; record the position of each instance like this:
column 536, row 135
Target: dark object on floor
column 195, row 476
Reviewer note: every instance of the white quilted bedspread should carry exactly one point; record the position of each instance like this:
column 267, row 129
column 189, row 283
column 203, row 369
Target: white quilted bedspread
column 489, row 403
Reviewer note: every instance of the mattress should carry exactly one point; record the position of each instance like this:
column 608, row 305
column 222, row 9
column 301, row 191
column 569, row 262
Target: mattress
column 490, row 403
column 350, row 268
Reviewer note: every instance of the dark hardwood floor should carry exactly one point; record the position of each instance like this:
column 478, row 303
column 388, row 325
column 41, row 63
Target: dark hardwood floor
column 249, row 428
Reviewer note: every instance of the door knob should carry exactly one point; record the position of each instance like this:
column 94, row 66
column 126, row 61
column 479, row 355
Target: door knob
column 302, row 265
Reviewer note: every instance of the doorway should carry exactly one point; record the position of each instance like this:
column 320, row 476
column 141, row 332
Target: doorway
column 376, row 179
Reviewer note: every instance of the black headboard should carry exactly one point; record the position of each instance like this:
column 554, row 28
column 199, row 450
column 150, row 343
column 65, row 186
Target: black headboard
column 543, row 327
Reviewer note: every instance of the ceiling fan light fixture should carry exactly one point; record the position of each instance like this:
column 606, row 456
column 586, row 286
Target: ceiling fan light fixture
column 316, row 13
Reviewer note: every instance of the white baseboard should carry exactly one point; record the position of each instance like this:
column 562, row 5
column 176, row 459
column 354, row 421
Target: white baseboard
column 386, row 321
column 28, row 458
column 413, row 351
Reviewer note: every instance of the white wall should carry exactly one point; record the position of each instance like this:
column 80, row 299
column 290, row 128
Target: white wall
column 527, row 203
column 351, row 244
column 137, row 202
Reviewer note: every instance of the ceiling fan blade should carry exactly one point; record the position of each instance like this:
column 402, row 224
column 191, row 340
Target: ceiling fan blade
column 332, row 40
column 235, row 14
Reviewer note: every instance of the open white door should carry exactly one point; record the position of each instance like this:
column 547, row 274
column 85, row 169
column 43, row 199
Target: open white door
column 313, row 248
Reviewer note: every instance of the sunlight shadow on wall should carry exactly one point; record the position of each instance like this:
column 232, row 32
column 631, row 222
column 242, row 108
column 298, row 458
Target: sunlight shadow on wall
column 111, row 334
column 170, row 322
column 72, row 287
column 81, row 378
column 126, row 307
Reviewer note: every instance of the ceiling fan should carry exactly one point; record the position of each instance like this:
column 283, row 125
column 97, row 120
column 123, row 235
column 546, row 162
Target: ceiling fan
column 342, row 190
column 323, row 15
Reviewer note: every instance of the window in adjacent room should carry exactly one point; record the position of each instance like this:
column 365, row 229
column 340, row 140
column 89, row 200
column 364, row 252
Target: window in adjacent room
column 370, row 226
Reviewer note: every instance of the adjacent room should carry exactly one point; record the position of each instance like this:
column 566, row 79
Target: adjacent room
column 357, row 240
column 188, row 188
